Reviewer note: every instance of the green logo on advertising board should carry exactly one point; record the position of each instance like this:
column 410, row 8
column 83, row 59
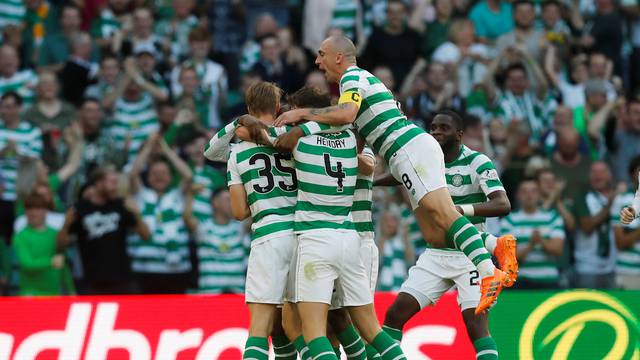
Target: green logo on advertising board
column 580, row 324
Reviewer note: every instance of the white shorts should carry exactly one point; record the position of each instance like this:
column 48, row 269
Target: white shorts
column 370, row 259
column 436, row 272
column 419, row 167
column 268, row 269
column 328, row 258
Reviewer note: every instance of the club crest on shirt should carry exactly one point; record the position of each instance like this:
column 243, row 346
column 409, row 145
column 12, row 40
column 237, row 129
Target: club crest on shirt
column 457, row 180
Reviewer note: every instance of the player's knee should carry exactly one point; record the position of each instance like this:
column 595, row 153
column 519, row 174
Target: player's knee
column 401, row 311
column 477, row 325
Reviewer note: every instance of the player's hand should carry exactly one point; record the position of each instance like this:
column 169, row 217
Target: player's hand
column 289, row 117
column 627, row 215
column 536, row 237
column 255, row 130
column 288, row 141
column 57, row 261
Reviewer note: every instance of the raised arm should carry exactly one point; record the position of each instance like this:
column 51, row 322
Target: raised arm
column 599, row 119
column 140, row 162
column 189, row 219
column 139, row 226
column 62, row 238
column 73, row 137
column 180, row 165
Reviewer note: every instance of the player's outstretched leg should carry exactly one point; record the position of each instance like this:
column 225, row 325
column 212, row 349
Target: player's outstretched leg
column 404, row 307
column 435, row 214
column 504, row 249
column 346, row 333
column 478, row 330
column 364, row 317
column 262, row 319
column 282, row 346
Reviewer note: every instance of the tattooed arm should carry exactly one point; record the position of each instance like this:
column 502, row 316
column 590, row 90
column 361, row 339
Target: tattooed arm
column 341, row 114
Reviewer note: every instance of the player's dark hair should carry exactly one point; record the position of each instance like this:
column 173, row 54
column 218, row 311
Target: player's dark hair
column 36, row 201
column 634, row 164
column 514, row 67
column 89, row 99
column 12, row 94
column 217, row 191
column 100, row 173
column 551, row 2
column 309, row 96
column 199, row 34
column 521, row 2
column 456, row 119
column 541, row 172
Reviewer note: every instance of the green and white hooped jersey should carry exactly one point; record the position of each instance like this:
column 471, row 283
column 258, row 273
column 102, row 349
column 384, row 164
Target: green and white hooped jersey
column 379, row 119
column 537, row 266
column 471, row 177
column 393, row 268
column 167, row 251
column 270, row 181
column 409, row 222
column 212, row 180
column 23, row 83
column 363, row 201
column 628, row 261
column 326, row 167
column 137, row 120
column 28, row 141
column 345, row 17
column 222, row 254
column 12, row 12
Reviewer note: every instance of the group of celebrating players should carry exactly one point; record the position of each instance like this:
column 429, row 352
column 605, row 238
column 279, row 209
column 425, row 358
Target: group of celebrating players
column 305, row 178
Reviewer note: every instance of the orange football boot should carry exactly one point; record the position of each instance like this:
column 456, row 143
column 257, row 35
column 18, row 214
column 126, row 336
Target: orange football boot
column 505, row 252
column 490, row 288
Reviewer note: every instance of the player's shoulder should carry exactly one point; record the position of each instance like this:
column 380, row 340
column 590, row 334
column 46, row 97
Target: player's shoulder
column 245, row 149
column 353, row 75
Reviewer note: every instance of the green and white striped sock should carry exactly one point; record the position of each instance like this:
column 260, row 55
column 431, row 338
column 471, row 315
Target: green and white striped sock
column 321, row 349
column 302, row 348
column 463, row 236
column 394, row 333
column 372, row 353
column 490, row 241
column 486, row 349
column 352, row 344
column 256, row 348
column 283, row 348
column 388, row 348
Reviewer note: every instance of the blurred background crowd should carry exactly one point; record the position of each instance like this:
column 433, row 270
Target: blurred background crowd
column 106, row 105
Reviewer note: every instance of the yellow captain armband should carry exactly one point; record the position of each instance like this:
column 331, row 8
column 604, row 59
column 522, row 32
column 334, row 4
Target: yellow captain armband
column 350, row 97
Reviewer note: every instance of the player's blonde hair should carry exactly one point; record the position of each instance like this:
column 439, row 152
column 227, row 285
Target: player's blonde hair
column 263, row 98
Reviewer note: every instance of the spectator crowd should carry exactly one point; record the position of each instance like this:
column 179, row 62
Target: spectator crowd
column 106, row 107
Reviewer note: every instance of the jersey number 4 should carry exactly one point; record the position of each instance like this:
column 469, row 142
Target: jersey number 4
column 338, row 173
column 267, row 172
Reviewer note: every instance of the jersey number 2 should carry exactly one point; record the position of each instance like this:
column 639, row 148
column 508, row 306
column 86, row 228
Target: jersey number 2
column 267, row 169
